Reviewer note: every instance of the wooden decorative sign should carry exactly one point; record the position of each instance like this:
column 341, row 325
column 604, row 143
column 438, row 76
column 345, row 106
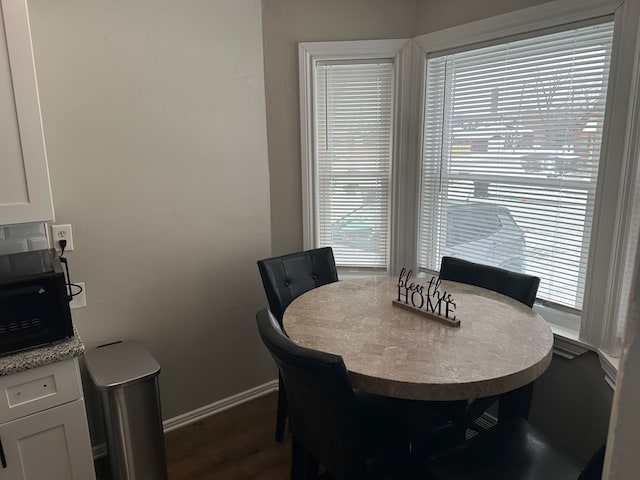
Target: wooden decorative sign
column 428, row 301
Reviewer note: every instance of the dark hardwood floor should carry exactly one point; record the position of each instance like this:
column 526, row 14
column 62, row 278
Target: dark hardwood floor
column 237, row 444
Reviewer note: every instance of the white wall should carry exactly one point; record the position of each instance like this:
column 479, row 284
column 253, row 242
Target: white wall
column 622, row 450
column 154, row 120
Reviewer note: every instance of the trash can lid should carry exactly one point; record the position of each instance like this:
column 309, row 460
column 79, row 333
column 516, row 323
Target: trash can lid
column 121, row 363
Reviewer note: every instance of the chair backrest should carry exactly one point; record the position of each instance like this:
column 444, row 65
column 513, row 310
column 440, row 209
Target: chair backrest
column 322, row 407
column 287, row 277
column 518, row 286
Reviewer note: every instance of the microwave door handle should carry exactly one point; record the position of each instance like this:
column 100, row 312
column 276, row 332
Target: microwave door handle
column 21, row 291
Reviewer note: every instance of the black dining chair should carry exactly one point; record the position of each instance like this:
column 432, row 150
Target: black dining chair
column 509, row 451
column 352, row 434
column 520, row 287
column 285, row 278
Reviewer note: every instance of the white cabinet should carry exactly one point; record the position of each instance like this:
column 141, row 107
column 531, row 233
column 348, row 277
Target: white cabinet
column 44, row 433
column 49, row 445
column 25, row 192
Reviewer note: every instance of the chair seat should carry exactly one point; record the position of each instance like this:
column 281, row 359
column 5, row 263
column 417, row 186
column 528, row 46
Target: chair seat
column 513, row 450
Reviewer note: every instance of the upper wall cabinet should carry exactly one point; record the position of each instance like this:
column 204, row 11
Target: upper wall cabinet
column 25, row 192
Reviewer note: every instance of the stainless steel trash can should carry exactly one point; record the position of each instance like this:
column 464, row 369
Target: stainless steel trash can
column 126, row 375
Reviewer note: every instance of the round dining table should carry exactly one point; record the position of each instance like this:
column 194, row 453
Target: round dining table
column 499, row 346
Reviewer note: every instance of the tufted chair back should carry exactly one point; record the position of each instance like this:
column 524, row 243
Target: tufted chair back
column 518, row 286
column 287, row 277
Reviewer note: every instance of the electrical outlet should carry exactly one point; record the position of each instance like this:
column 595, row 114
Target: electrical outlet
column 79, row 300
column 62, row 232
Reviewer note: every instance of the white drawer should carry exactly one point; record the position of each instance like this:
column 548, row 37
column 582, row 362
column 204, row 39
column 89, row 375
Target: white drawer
column 39, row 388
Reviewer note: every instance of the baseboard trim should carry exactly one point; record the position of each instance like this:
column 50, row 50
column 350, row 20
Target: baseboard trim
column 219, row 406
column 174, row 423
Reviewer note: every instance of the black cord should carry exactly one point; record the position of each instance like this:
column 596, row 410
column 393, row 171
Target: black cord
column 79, row 287
column 68, row 284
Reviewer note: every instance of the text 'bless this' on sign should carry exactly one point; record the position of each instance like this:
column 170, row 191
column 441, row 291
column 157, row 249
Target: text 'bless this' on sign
column 428, row 301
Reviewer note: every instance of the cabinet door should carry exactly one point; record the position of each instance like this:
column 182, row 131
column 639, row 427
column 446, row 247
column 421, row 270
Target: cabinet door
column 25, row 193
column 49, row 445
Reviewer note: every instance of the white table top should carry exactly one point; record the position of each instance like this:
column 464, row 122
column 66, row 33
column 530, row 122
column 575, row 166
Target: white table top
column 500, row 345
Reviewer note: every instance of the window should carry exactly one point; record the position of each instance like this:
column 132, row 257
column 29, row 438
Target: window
column 348, row 111
column 511, row 141
column 512, row 136
column 353, row 106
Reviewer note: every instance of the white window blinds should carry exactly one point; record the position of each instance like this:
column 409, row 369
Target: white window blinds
column 353, row 132
column 511, row 153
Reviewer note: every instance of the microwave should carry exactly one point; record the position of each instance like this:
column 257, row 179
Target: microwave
column 34, row 301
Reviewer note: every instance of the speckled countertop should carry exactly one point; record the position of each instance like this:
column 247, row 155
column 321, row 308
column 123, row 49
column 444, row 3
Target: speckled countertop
column 37, row 357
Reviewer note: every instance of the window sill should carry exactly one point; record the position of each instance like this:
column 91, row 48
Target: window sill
column 566, row 344
column 346, row 273
column 610, row 366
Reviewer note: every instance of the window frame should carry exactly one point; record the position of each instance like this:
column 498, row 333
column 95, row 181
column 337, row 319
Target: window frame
column 309, row 53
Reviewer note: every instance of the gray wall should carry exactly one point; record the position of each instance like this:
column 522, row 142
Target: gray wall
column 434, row 15
column 154, row 120
column 572, row 403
